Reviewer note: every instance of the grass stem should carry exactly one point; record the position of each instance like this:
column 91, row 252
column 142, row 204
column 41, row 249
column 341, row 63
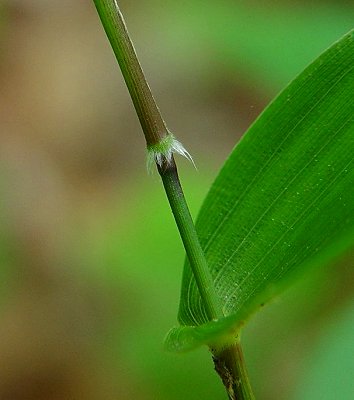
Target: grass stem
column 150, row 118
column 195, row 254
column 161, row 145
column 156, row 132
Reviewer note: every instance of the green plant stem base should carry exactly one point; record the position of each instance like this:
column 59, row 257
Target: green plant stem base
column 230, row 365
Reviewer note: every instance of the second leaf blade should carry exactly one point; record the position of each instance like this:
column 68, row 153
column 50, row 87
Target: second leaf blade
column 284, row 199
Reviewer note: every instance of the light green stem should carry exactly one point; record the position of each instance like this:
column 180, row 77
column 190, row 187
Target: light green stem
column 155, row 132
column 195, row 254
column 229, row 360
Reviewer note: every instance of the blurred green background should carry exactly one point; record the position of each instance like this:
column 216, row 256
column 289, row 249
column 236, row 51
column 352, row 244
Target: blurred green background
column 90, row 261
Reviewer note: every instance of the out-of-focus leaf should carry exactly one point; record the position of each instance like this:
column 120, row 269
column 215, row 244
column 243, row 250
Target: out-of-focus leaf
column 282, row 203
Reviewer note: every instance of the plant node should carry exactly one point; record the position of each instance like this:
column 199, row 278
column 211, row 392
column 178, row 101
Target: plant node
column 163, row 150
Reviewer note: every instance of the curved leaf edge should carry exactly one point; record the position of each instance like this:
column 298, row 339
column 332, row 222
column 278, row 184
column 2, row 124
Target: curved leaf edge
column 217, row 333
column 222, row 332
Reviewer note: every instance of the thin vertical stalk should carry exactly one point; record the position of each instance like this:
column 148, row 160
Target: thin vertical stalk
column 161, row 144
column 172, row 185
column 146, row 108
column 156, row 133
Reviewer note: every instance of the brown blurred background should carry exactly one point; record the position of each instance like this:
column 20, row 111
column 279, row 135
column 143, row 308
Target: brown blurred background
column 85, row 294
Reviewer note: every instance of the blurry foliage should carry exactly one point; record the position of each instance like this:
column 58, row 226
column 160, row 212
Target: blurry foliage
column 328, row 355
column 267, row 43
column 76, row 208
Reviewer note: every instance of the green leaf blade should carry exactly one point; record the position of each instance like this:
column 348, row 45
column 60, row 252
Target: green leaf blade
column 283, row 202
